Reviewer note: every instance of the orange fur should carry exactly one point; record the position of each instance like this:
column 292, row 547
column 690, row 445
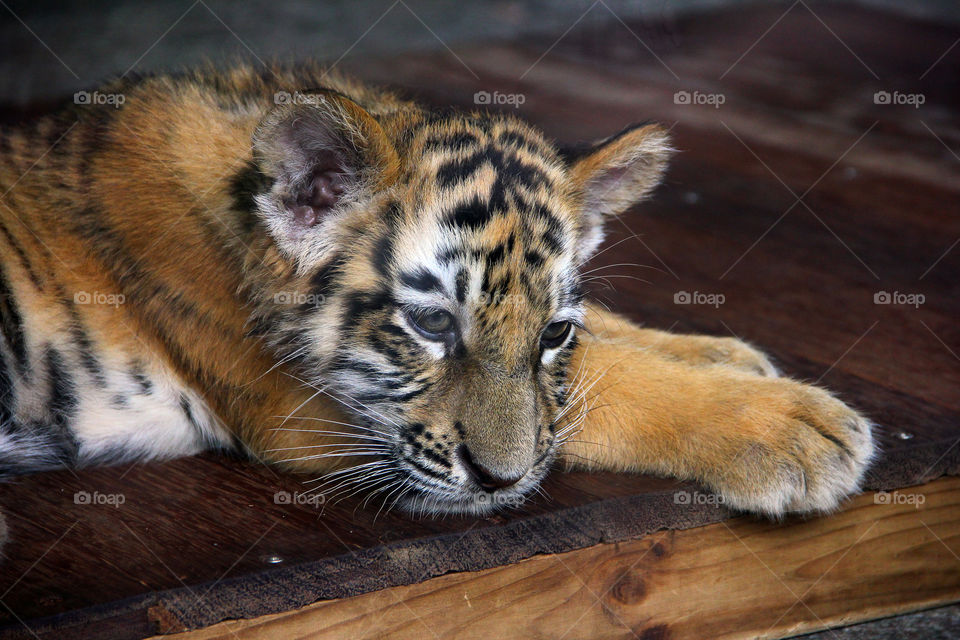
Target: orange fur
column 141, row 202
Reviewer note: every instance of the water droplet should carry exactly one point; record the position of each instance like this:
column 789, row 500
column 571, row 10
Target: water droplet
column 903, row 435
column 272, row 559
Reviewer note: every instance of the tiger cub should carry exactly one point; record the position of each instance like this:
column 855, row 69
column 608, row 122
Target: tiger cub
column 343, row 282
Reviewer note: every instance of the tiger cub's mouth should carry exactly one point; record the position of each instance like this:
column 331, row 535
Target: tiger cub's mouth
column 424, row 482
column 423, row 489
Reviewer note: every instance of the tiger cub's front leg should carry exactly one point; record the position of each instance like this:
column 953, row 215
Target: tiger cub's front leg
column 693, row 350
column 710, row 410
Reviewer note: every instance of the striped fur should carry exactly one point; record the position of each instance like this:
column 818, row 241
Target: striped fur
column 251, row 259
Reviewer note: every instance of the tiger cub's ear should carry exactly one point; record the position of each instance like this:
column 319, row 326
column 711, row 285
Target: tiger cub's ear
column 325, row 156
column 613, row 174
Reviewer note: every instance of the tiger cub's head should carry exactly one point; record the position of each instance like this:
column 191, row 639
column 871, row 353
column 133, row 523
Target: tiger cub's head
column 437, row 259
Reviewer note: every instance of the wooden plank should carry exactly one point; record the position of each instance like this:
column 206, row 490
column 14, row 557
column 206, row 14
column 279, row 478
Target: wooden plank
column 739, row 579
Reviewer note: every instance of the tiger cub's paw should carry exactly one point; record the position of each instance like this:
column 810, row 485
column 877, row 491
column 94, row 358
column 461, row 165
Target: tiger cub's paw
column 799, row 449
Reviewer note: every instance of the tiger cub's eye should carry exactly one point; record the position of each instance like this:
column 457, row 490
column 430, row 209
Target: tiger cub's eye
column 554, row 335
column 433, row 324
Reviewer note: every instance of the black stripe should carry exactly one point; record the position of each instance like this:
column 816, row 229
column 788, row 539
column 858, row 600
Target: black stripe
column 390, row 352
column 203, row 436
column 424, row 469
column 451, row 142
column 510, row 169
column 361, row 303
column 7, row 397
column 11, row 324
column 322, row 282
column 422, row 280
column 473, row 215
column 517, row 139
column 84, row 345
column 244, row 185
column 440, row 460
column 383, row 254
column 459, row 169
column 24, row 262
column 496, row 255
column 552, row 239
column 462, row 281
column 62, row 403
column 188, row 412
column 534, row 258
column 143, row 382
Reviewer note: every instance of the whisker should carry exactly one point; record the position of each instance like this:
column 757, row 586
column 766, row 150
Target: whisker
column 575, row 455
column 365, row 446
column 334, row 454
column 351, row 468
column 615, row 275
column 619, row 264
column 358, row 485
column 294, row 354
column 369, row 409
column 344, row 424
column 302, row 404
column 336, row 433
column 618, row 242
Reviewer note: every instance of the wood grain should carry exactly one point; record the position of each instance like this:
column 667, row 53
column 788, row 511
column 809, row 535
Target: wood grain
column 738, row 579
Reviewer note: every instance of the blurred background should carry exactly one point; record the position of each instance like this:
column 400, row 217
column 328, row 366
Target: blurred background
column 51, row 48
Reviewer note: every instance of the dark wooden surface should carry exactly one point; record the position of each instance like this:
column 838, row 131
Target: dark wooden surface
column 880, row 212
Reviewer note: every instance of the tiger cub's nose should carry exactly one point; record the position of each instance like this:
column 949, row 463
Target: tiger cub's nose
column 488, row 480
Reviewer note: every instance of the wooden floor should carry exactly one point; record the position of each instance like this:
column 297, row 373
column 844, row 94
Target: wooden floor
column 799, row 199
column 736, row 579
